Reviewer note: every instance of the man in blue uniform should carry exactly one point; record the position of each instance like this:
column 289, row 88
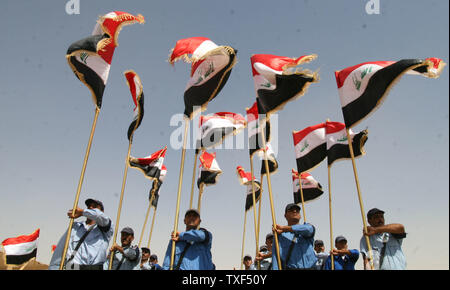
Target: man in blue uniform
column 344, row 259
column 89, row 240
column 295, row 242
column 193, row 247
column 126, row 256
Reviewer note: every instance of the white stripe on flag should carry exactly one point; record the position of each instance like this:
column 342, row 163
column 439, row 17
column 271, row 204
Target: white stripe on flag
column 20, row 249
column 309, row 142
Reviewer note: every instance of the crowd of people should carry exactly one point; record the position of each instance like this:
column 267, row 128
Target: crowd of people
column 298, row 248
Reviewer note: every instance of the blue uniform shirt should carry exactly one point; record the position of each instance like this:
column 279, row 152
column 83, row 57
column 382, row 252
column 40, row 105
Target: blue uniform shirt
column 303, row 255
column 346, row 262
column 131, row 257
column 94, row 249
column 197, row 257
column 394, row 259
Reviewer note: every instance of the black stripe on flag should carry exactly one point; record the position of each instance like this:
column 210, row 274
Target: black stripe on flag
column 256, row 142
column 342, row 151
column 312, row 159
column 308, row 194
column 249, row 199
column 20, row 259
column 207, row 177
column 214, row 137
column 137, row 122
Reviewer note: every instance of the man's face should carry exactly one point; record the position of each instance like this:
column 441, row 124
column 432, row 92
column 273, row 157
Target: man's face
column 341, row 245
column 377, row 220
column 145, row 256
column 153, row 261
column 319, row 248
column 126, row 239
column 94, row 205
column 192, row 220
column 247, row 262
column 293, row 215
column 269, row 243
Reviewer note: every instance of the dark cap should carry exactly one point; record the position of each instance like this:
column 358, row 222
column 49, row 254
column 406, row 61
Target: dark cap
column 263, row 248
column 153, row 257
column 90, row 201
column 127, row 230
column 269, row 236
column 318, row 243
column 192, row 210
column 291, row 206
column 145, row 250
column 340, row 239
column 373, row 211
column 247, row 257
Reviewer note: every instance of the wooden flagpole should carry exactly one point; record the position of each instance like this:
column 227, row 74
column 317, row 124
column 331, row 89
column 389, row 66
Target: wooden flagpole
column 200, row 195
column 301, row 196
column 151, row 228
column 145, row 221
column 349, row 139
column 259, row 216
column 180, row 182
column 254, row 206
column 193, row 178
column 120, row 201
column 277, row 246
column 80, row 183
column 243, row 239
column 331, row 217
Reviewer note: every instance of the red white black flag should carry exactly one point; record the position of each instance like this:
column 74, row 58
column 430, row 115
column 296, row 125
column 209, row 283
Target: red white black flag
column 154, row 191
column 310, row 187
column 278, row 80
column 245, row 178
column 151, row 165
column 337, row 142
column 214, row 128
column 255, row 141
column 310, row 147
column 209, row 170
column 210, row 69
column 271, row 160
column 21, row 249
column 363, row 87
column 90, row 58
column 137, row 93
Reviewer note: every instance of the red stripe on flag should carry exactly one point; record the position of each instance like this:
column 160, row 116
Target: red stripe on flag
column 333, row 127
column 342, row 75
column 273, row 61
column 22, row 239
column 298, row 136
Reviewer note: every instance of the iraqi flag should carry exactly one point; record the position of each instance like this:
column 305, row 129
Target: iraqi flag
column 337, row 142
column 21, row 249
column 255, row 141
column 363, row 87
column 245, row 178
column 310, row 147
column 151, row 165
column 310, row 187
column 278, row 80
column 210, row 70
column 271, row 161
column 214, row 128
column 90, row 58
column 209, row 170
column 154, row 191
column 137, row 93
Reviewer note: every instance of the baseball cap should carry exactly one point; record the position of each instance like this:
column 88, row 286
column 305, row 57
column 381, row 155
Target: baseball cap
column 153, row 257
column 190, row 211
column 373, row 211
column 247, row 257
column 263, row 248
column 269, row 236
column 90, row 201
column 340, row 239
column 145, row 250
column 291, row 206
column 127, row 230
column 318, row 242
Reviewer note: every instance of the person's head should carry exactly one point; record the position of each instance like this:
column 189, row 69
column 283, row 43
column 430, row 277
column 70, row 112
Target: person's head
column 93, row 203
column 319, row 247
column 375, row 217
column 340, row 243
column 269, row 240
column 154, row 259
column 126, row 236
column 192, row 219
column 292, row 214
column 247, row 261
column 145, row 254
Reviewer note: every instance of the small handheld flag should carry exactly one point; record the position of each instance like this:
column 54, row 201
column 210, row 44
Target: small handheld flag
column 21, row 249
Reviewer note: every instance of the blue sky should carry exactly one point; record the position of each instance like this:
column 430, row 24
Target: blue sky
column 46, row 115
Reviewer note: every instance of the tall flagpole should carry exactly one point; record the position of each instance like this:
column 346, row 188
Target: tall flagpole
column 151, row 228
column 259, row 215
column 193, row 178
column 243, row 239
column 331, row 217
column 301, row 196
column 180, row 182
column 80, row 183
column 145, row 221
column 200, row 195
column 119, row 209
column 277, row 246
column 359, row 197
column 254, row 206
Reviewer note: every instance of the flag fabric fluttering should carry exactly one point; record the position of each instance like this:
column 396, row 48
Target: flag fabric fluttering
column 151, row 165
column 21, row 249
column 209, row 170
column 363, row 87
column 156, row 186
column 137, row 93
column 215, row 127
column 210, row 70
column 278, row 80
column 255, row 142
column 90, row 58
column 272, row 161
column 245, row 178
column 310, row 147
column 337, row 142
column 310, row 187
